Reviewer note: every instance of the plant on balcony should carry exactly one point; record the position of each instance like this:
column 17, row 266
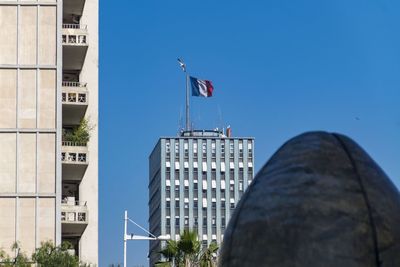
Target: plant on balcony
column 79, row 134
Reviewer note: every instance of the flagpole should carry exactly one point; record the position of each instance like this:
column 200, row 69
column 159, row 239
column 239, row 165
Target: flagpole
column 183, row 66
column 187, row 103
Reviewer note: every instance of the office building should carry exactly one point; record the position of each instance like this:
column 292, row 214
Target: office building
column 195, row 182
column 48, row 84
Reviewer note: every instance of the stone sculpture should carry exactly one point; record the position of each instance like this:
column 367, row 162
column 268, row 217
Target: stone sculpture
column 319, row 201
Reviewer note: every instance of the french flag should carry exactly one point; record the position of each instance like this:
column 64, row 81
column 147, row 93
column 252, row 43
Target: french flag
column 202, row 88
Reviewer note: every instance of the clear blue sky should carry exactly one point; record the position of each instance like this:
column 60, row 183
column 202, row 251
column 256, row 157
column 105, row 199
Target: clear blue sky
column 279, row 68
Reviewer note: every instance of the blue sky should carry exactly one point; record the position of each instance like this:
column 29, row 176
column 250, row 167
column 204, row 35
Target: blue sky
column 279, row 68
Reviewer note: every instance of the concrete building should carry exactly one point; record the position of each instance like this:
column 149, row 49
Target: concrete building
column 48, row 83
column 195, row 181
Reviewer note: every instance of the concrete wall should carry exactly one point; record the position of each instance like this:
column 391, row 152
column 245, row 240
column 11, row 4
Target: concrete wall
column 88, row 188
column 28, row 124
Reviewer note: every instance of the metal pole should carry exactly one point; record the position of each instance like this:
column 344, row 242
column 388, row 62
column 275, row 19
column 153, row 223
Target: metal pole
column 187, row 103
column 125, row 233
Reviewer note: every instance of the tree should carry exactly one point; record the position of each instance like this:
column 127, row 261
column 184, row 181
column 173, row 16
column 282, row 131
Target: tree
column 20, row 260
column 189, row 246
column 209, row 255
column 171, row 253
column 49, row 255
column 186, row 252
column 163, row 264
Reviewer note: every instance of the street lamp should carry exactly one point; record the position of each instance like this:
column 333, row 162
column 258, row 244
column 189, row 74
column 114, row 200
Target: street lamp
column 138, row 237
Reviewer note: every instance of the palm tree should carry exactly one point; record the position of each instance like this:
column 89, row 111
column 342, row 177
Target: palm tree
column 208, row 257
column 182, row 253
column 189, row 246
column 171, row 253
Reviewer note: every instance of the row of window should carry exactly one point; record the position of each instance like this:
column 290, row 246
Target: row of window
column 204, row 165
column 213, row 147
column 204, row 238
column 195, row 221
column 223, row 185
column 196, row 205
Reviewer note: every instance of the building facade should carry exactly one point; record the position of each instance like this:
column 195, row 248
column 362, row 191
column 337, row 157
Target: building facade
column 48, row 84
column 195, row 182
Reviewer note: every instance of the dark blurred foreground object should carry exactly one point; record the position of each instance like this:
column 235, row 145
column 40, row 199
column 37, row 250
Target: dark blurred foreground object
column 319, row 201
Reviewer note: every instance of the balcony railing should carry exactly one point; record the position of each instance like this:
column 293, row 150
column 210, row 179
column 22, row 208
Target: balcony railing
column 74, row 93
column 74, row 153
column 69, row 202
column 73, row 84
column 70, row 143
column 74, row 34
column 74, row 26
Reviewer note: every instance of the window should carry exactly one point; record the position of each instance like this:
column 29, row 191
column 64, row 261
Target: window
column 186, row 149
column 204, row 147
column 241, row 149
column 176, row 203
column 195, row 221
column 168, row 222
column 213, row 221
column 213, row 149
column 222, row 167
column 204, row 221
column 250, row 148
column 195, row 148
column 168, row 204
column 177, row 147
column 186, row 221
column 176, row 220
column 167, row 147
column 231, row 148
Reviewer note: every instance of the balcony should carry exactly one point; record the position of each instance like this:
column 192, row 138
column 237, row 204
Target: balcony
column 75, row 44
column 75, row 102
column 73, row 8
column 74, row 217
column 74, row 158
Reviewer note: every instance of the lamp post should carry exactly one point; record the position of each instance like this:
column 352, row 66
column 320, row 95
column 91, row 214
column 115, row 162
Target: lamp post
column 137, row 237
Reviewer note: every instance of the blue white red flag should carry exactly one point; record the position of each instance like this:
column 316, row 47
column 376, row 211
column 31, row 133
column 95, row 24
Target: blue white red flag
column 202, row 88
